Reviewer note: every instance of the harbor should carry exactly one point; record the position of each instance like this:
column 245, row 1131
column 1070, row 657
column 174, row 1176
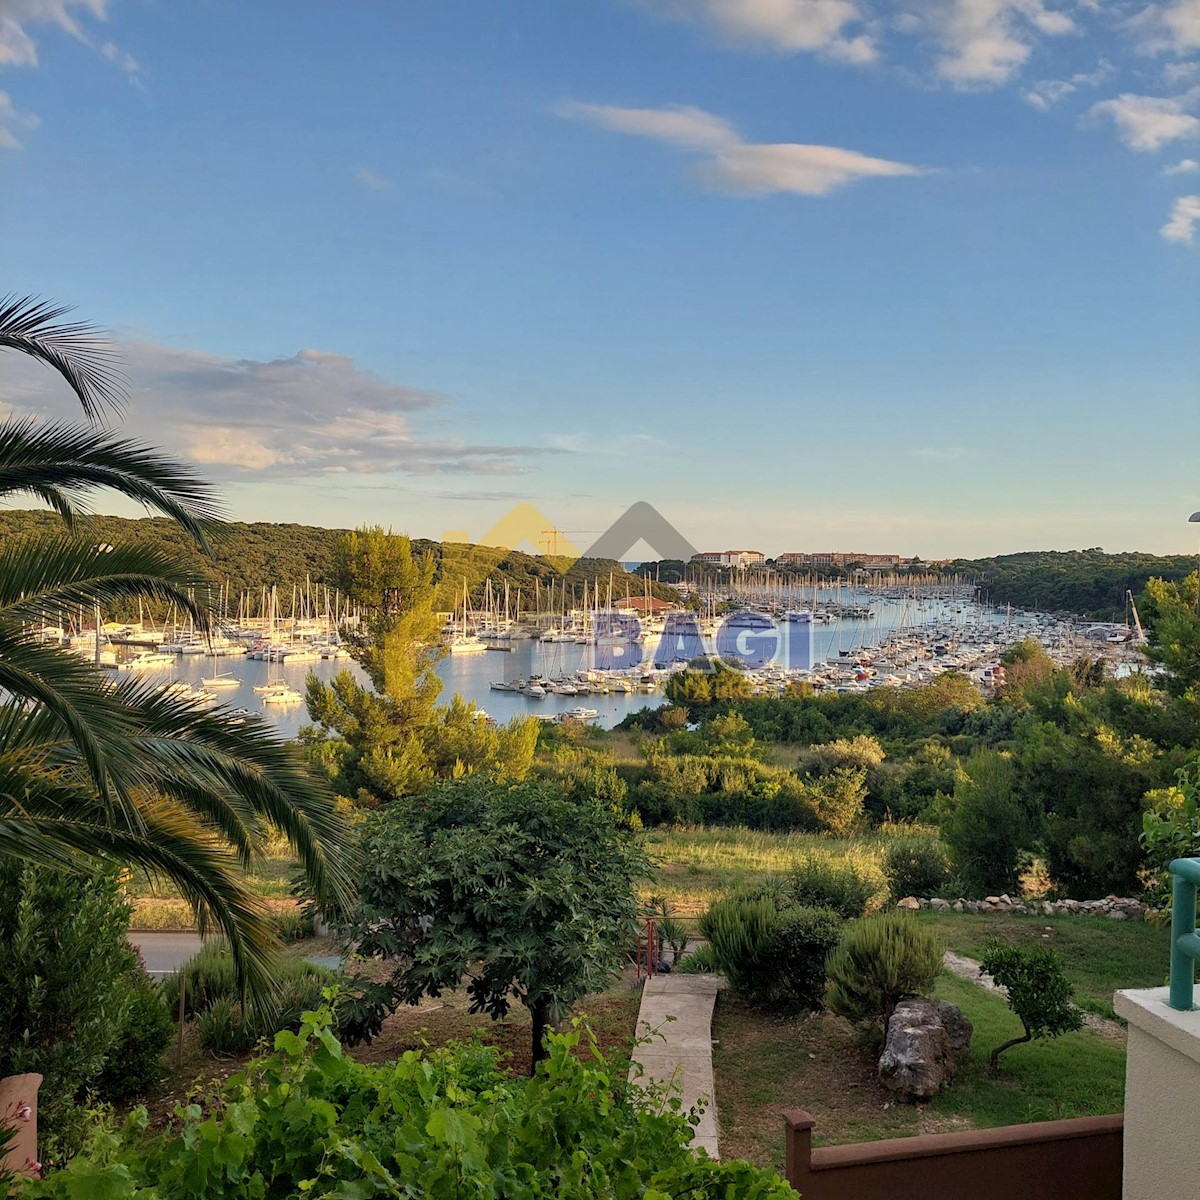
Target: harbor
column 598, row 664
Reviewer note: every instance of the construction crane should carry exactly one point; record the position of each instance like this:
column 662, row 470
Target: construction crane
column 549, row 538
column 1139, row 637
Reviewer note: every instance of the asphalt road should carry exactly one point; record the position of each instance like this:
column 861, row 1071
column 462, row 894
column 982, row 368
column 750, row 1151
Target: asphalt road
column 165, row 953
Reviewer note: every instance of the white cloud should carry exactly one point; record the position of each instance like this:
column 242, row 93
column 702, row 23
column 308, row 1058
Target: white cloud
column 312, row 414
column 1168, row 28
column 17, row 47
column 10, row 121
column 1049, row 92
column 122, row 58
column 786, row 25
column 738, row 167
column 369, row 179
column 1186, row 166
column 983, row 43
column 1148, row 122
column 1182, row 225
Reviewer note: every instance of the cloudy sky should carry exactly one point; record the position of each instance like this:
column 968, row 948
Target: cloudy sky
column 911, row 275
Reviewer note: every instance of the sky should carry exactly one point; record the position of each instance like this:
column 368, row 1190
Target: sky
column 917, row 276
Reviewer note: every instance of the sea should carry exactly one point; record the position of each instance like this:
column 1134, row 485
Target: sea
column 471, row 675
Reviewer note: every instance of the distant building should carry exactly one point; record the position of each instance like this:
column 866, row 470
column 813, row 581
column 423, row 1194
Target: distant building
column 643, row 606
column 731, row 558
column 843, row 558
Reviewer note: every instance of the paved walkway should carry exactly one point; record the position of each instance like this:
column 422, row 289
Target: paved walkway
column 680, row 1051
column 164, row 953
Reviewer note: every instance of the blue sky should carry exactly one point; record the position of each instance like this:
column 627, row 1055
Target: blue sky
column 910, row 275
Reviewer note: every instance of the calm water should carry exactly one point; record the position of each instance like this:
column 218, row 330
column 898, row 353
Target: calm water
column 470, row 675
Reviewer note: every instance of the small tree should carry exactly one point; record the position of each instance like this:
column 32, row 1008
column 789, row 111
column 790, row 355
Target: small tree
column 526, row 893
column 1038, row 992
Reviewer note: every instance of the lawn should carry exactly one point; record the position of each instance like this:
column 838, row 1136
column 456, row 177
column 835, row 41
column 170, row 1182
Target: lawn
column 764, row 1064
column 1100, row 956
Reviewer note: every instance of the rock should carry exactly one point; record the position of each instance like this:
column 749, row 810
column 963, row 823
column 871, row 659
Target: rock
column 973, row 906
column 991, row 899
column 1117, row 915
column 940, row 905
column 958, row 1028
column 1047, row 909
column 917, row 1056
column 909, row 902
column 959, row 906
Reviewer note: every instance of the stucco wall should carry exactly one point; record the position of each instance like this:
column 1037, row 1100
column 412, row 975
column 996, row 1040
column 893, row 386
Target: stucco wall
column 1162, row 1098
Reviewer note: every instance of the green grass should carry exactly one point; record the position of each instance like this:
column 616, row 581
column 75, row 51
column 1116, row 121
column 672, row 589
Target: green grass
column 1100, row 956
column 765, row 1063
column 1076, row 1075
column 697, row 866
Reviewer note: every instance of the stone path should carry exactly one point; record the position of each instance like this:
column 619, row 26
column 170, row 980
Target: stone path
column 968, row 968
column 680, row 1051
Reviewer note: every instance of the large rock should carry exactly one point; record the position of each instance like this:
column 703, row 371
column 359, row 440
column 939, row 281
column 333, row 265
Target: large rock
column 909, row 902
column 917, row 1054
column 958, row 1028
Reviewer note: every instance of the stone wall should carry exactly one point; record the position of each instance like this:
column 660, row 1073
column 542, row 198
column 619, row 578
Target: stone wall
column 1115, row 908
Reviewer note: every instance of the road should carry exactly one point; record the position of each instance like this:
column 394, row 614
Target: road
column 165, row 953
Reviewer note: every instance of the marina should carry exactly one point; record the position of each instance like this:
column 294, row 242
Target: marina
column 596, row 665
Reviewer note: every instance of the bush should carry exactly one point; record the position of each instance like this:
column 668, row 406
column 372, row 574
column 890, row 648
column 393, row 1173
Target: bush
column 209, row 976
column 851, row 888
column 306, row 1121
column 916, row 866
column 222, row 1030
column 738, row 933
column 1038, row 992
column 799, row 944
column 878, row 962
column 699, row 962
column 134, row 1067
column 64, row 959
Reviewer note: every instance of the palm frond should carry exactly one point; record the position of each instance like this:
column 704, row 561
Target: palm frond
column 41, row 577
column 62, row 464
column 77, row 701
column 241, row 757
column 79, row 353
column 171, row 846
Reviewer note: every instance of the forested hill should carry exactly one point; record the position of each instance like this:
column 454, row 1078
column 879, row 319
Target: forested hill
column 1089, row 583
column 248, row 556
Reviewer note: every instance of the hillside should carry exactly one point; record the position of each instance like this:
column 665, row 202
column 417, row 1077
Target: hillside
column 247, row 556
column 1089, row 583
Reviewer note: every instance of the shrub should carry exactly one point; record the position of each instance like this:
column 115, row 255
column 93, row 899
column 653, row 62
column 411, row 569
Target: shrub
column 134, row 1066
column 1038, row 992
column 738, row 933
column 878, row 962
column 63, row 998
column 799, row 944
column 222, row 1030
column 850, row 887
column 306, row 1121
column 699, row 962
column 916, row 866
column 293, row 925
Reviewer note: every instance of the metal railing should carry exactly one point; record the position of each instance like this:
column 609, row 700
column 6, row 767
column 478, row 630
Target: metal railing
column 1185, row 944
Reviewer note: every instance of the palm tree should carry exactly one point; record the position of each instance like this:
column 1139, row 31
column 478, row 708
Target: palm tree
column 92, row 769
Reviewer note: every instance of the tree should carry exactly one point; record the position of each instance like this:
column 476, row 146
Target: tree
column 96, row 770
column 986, row 824
column 526, row 893
column 1038, row 992
column 392, row 739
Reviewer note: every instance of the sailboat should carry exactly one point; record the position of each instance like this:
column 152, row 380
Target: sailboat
column 462, row 642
